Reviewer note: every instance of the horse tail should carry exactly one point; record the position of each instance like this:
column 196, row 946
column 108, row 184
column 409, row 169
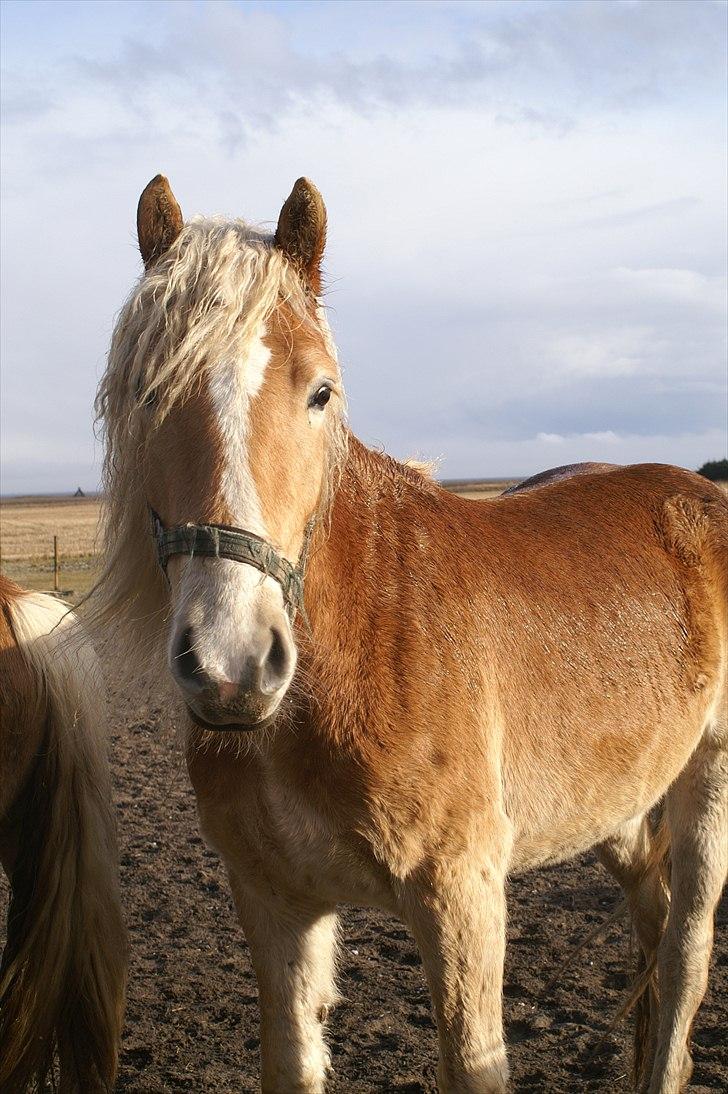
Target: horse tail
column 644, row 995
column 63, row 972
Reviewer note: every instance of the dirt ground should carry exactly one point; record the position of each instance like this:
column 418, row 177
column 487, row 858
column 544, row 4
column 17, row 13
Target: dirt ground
column 192, row 1019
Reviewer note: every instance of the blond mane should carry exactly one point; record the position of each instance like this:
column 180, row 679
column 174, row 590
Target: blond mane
column 199, row 306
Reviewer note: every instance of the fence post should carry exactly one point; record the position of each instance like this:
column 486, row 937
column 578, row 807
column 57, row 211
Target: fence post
column 55, row 564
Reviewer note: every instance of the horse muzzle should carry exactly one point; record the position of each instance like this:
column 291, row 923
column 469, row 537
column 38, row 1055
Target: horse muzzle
column 247, row 702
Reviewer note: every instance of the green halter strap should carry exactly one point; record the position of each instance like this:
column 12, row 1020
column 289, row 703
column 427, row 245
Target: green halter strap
column 225, row 541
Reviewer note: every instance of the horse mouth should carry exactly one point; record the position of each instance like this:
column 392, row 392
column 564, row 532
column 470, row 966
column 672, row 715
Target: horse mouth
column 231, row 727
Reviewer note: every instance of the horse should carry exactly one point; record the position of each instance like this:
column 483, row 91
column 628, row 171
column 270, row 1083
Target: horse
column 63, row 972
column 398, row 697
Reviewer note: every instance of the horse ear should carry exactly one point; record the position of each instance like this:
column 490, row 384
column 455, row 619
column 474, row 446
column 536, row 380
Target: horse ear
column 159, row 220
column 301, row 231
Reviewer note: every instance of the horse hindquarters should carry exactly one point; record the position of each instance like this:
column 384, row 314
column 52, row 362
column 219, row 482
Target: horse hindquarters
column 63, row 972
column 697, row 802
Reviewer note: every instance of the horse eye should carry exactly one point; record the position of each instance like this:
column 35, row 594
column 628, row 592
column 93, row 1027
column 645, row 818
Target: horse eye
column 321, row 398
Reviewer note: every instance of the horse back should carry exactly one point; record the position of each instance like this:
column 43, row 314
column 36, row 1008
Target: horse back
column 641, row 548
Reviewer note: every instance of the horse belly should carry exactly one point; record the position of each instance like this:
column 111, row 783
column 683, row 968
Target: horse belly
column 570, row 786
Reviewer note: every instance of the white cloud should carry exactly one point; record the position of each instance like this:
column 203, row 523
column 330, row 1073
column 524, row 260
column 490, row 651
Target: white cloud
column 599, row 353
column 683, row 287
column 493, row 286
column 604, row 436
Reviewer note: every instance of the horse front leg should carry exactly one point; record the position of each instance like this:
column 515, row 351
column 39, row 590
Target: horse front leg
column 292, row 947
column 457, row 913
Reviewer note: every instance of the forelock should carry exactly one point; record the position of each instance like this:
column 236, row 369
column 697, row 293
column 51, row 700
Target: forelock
column 198, row 306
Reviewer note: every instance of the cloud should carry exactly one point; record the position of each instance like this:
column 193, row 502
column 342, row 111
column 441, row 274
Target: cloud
column 605, row 436
column 610, row 353
column 526, row 212
column 625, row 217
column 521, row 63
column 687, row 288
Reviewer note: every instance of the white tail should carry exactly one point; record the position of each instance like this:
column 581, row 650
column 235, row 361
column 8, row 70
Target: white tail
column 63, row 974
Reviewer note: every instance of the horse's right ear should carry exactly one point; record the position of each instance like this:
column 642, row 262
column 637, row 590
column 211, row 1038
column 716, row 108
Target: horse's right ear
column 301, row 231
column 159, row 220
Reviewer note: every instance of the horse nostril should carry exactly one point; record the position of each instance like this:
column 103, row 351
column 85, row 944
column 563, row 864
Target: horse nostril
column 186, row 662
column 277, row 666
column 262, row 673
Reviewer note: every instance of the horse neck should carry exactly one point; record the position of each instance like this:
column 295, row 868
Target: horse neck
column 357, row 564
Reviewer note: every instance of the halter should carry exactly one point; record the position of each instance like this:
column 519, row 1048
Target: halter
column 225, row 541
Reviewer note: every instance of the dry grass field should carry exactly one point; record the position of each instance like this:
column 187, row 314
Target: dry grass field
column 27, row 528
column 28, row 525
column 477, row 489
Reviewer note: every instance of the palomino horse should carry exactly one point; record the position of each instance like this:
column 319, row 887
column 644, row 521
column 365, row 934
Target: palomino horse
column 464, row 690
column 63, row 971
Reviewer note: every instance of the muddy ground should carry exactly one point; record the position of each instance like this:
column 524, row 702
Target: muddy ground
column 192, row 1021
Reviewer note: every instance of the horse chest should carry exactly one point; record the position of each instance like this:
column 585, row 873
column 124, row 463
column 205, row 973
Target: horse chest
column 318, row 856
column 277, row 839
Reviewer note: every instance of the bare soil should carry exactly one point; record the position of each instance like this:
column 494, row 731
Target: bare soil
column 192, row 1018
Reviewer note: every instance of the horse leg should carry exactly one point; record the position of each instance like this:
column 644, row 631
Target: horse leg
column 457, row 912
column 292, row 947
column 697, row 811
column 633, row 857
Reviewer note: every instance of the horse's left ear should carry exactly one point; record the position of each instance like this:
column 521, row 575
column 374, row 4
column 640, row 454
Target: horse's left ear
column 159, row 220
column 301, row 231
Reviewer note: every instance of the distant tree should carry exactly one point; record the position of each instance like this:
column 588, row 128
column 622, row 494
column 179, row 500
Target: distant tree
column 715, row 470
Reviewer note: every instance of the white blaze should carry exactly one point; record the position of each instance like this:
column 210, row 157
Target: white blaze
column 232, row 386
column 225, row 602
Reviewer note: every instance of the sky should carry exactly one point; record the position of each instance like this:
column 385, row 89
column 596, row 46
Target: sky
column 527, row 216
